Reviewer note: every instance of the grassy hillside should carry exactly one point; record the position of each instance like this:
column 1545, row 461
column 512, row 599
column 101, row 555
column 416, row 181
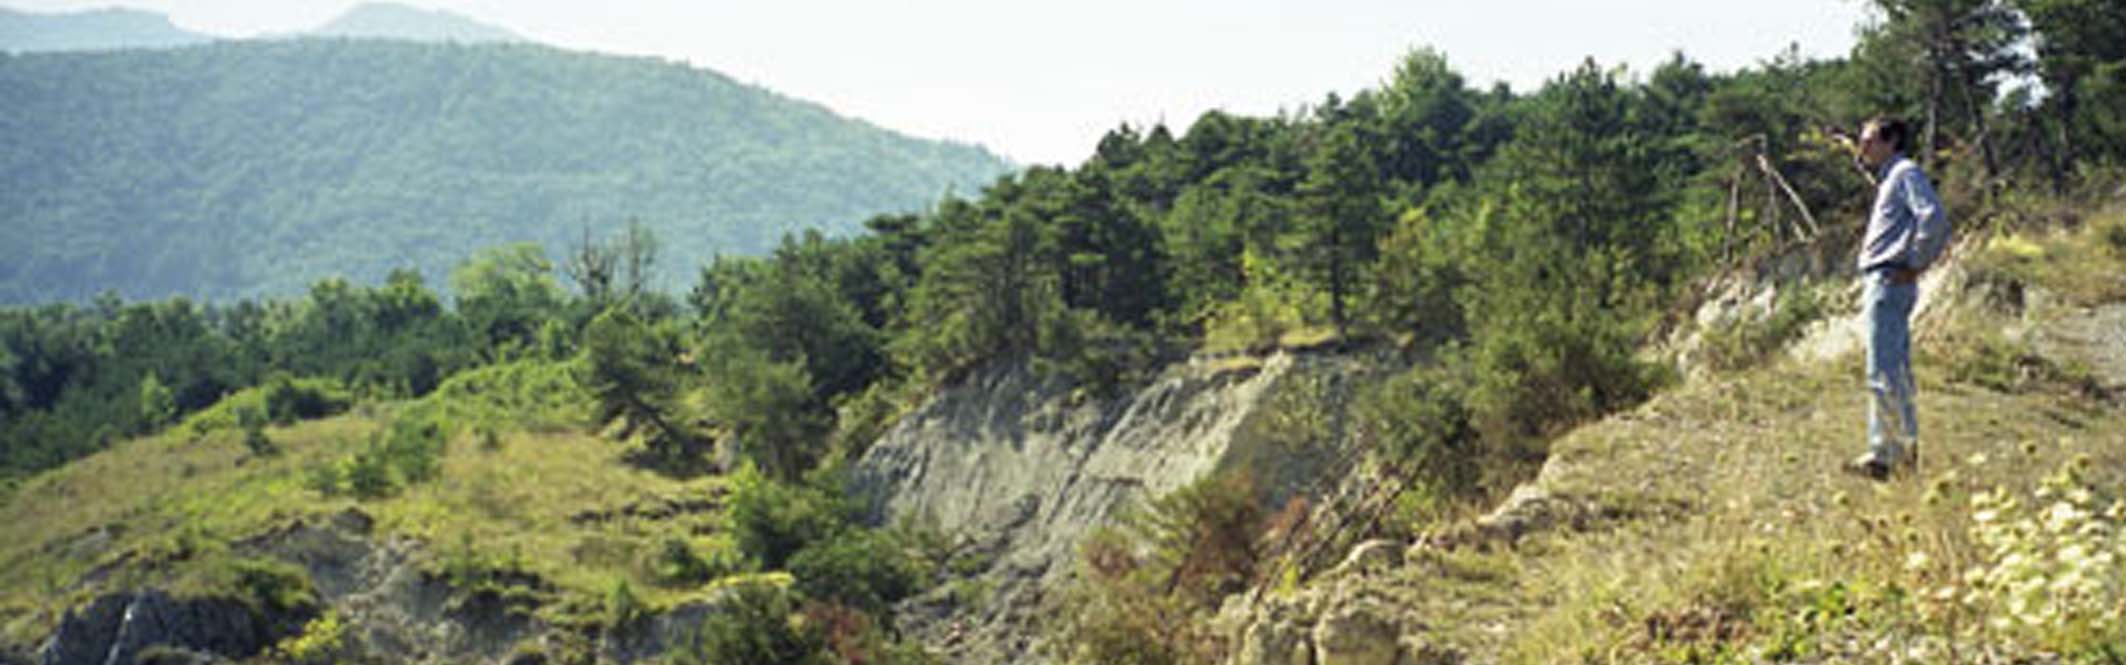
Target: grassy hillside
column 1711, row 524
column 534, row 494
column 241, row 169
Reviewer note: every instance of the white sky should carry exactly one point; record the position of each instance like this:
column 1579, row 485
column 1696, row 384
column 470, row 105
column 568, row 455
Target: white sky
column 1039, row 82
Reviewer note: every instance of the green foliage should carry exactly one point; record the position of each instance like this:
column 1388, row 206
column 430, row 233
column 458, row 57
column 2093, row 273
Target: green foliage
column 629, row 371
column 270, row 586
column 264, row 165
column 772, row 520
column 253, row 422
column 1421, row 270
column 1274, row 302
column 861, row 568
column 505, row 293
column 394, row 339
column 158, row 406
column 528, row 394
column 1147, row 590
column 794, row 307
column 769, row 407
column 281, row 400
column 1341, row 218
column 1418, row 422
column 322, row 642
column 677, row 563
column 408, row 452
column 622, row 606
column 759, row 624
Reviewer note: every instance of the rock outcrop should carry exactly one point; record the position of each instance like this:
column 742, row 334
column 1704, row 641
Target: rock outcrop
column 1022, row 469
column 124, row 628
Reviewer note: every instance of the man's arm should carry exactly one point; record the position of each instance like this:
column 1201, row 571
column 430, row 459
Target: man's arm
column 1929, row 230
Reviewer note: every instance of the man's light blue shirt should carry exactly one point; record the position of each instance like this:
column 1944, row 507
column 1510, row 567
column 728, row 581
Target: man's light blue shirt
column 1902, row 201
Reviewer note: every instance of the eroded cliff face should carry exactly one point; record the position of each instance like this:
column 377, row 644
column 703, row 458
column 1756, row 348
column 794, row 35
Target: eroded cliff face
column 1022, row 469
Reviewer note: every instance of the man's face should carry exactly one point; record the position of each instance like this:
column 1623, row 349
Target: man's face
column 1873, row 149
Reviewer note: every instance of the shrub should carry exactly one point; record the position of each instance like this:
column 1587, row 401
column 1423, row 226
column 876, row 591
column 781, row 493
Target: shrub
column 1537, row 372
column 759, row 624
column 1416, row 421
column 622, row 606
column 268, row 585
column 407, row 452
column 288, row 399
column 772, row 520
column 255, row 440
column 865, row 569
column 525, row 394
column 1146, row 590
column 323, row 640
column 675, row 564
column 280, row 400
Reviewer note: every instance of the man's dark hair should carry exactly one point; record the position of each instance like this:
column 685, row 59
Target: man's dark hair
column 1894, row 130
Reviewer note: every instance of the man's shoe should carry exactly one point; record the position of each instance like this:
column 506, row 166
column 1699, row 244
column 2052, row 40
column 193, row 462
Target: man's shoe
column 1867, row 466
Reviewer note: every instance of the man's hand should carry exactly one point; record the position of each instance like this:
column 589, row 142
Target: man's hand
column 1902, row 275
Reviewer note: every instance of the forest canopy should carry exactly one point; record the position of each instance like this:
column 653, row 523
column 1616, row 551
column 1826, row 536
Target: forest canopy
column 252, row 169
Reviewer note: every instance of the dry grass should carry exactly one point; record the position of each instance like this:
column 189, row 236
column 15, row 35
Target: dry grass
column 2084, row 266
column 1732, row 536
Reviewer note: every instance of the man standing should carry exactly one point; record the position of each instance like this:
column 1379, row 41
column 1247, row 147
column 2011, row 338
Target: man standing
column 1907, row 230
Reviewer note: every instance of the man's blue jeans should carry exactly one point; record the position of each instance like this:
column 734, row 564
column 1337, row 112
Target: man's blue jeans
column 1893, row 423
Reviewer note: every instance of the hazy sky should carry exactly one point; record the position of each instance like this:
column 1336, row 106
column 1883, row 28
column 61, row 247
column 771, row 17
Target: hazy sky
column 1040, row 81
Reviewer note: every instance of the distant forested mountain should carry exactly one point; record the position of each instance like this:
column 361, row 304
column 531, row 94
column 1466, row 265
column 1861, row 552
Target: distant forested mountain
column 239, row 169
column 101, row 29
column 395, row 21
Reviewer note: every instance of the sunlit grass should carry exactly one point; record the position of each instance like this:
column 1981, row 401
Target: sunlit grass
column 1767, row 551
column 2084, row 266
column 556, row 502
column 1768, row 519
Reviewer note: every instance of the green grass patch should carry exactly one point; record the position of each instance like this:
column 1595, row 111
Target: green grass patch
column 2085, row 266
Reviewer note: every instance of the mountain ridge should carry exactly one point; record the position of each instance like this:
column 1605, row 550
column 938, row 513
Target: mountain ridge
column 390, row 20
column 253, row 168
column 95, row 29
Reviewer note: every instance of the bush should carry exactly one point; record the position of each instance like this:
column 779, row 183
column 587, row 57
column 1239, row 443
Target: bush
column 1416, row 422
column 255, row 440
column 271, row 586
column 525, row 394
column 865, row 569
column 1536, row 372
column 408, row 452
column 1146, row 591
column 676, row 563
column 281, row 400
column 323, row 640
column 772, row 520
column 622, row 606
column 288, row 399
column 759, row 625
